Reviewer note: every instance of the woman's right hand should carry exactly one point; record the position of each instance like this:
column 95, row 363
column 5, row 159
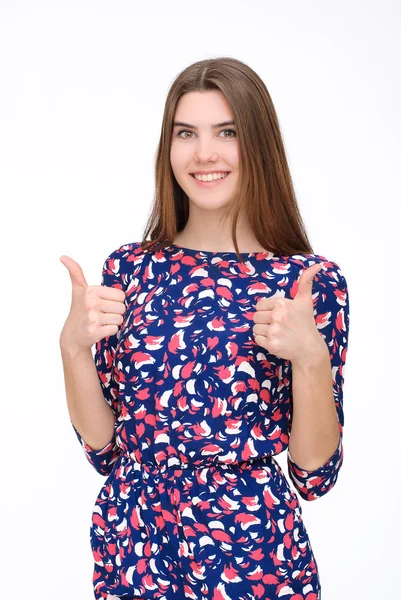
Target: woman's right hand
column 96, row 310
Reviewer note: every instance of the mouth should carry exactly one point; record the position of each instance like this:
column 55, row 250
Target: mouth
column 211, row 183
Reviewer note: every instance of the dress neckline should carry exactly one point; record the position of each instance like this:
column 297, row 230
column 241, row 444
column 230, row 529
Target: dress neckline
column 214, row 253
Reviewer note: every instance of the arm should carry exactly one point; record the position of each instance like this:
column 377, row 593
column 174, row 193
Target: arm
column 314, row 407
column 93, row 391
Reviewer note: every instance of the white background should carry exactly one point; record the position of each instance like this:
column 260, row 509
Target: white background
column 83, row 86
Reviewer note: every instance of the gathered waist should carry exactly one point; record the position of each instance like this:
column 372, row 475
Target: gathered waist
column 173, row 464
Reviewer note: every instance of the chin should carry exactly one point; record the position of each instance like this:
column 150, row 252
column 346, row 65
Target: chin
column 212, row 204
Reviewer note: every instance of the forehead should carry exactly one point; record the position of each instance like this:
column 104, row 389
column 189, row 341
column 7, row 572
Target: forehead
column 203, row 109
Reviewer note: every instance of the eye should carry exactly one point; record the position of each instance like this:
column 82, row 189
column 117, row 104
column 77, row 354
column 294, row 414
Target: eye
column 222, row 131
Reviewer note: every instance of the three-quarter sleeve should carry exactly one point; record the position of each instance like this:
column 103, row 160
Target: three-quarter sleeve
column 331, row 313
column 104, row 459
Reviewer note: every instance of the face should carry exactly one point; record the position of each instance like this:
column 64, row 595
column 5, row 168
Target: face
column 204, row 148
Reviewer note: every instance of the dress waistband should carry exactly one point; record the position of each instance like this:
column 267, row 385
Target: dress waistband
column 173, row 464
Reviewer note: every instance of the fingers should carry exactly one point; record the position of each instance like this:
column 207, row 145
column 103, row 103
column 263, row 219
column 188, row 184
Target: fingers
column 106, row 306
column 110, row 319
column 263, row 317
column 108, row 293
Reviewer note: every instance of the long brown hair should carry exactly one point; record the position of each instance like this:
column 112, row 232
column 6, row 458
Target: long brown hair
column 265, row 185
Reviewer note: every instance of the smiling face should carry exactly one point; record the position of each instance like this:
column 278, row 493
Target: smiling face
column 207, row 142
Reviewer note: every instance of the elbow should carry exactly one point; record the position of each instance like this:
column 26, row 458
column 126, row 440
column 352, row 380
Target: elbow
column 312, row 485
column 104, row 459
column 103, row 469
column 313, row 488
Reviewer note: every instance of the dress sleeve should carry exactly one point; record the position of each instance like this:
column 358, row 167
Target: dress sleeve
column 332, row 320
column 104, row 459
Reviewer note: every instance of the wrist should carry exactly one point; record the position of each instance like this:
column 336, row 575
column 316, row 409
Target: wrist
column 315, row 354
column 70, row 349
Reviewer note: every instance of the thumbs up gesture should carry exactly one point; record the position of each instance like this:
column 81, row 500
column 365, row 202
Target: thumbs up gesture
column 287, row 327
column 96, row 310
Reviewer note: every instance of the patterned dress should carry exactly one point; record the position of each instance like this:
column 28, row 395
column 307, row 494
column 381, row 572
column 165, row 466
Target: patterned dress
column 194, row 505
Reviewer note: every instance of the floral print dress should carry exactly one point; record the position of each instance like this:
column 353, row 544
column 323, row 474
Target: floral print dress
column 194, row 505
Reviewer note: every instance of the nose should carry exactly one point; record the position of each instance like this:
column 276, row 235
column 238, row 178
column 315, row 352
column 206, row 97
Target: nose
column 205, row 157
column 205, row 152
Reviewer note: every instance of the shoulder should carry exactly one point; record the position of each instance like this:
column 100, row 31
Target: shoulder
column 330, row 273
column 124, row 262
column 126, row 251
column 127, row 255
column 329, row 292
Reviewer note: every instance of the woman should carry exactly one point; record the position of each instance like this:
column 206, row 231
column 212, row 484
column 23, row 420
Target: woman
column 220, row 342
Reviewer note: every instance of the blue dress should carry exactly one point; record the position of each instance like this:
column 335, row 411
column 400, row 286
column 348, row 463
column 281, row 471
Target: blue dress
column 195, row 505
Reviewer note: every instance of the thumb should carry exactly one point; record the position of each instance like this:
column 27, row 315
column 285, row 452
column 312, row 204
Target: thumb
column 75, row 271
column 305, row 282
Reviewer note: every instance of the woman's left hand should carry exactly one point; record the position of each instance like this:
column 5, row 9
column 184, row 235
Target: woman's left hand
column 286, row 327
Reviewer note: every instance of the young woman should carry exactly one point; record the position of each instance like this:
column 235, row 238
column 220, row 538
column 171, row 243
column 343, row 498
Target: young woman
column 220, row 342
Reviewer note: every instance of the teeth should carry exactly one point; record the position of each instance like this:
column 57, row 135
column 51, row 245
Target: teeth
column 210, row 176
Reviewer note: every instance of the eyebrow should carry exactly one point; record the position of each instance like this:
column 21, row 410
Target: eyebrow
column 216, row 126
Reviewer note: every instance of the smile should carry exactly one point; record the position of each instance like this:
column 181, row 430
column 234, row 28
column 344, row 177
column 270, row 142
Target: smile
column 212, row 182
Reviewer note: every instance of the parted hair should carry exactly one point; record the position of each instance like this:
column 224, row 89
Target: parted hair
column 265, row 191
